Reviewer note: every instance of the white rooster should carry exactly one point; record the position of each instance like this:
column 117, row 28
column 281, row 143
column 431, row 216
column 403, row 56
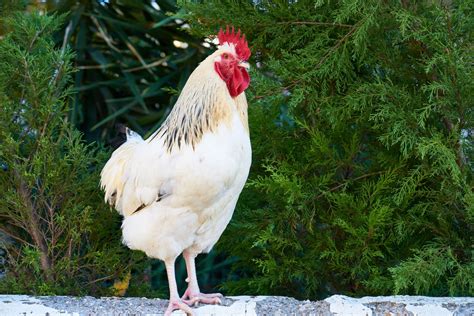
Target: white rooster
column 177, row 190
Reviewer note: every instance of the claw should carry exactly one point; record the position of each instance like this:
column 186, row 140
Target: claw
column 178, row 305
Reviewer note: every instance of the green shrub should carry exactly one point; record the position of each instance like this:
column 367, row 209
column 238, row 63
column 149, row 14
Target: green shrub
column 361, row 120
column 58, row 235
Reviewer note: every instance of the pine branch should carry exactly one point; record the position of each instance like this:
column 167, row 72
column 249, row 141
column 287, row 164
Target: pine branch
column 338, row 44
column 21, row 240
column 108, row 277
column 316, row 23
column 34, row 226
column 337, row 187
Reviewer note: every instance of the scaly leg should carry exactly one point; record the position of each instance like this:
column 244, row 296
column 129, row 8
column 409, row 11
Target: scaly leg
column 175, row 301
column 193, row 295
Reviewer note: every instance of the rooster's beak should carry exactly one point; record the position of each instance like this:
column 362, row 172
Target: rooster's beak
column 244, row 64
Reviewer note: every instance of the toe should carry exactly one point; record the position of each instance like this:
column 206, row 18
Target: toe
column 193, row 301
column 200, row 298
column 210, row 300
column 210, row 295
column 178, row 305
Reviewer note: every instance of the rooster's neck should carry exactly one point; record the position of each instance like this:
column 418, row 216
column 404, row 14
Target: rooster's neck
column 202, row 106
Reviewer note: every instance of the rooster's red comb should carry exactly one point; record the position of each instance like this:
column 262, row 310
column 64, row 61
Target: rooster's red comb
column 240, row 43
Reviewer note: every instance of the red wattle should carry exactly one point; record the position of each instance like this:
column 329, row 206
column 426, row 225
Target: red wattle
column 236, row 78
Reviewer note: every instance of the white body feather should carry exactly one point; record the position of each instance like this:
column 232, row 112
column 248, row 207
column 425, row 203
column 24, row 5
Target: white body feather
column 181, row 198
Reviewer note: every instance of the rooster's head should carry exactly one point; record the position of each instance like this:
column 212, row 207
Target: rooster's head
column 231, row 58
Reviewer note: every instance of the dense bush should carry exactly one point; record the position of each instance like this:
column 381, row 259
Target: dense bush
column 58, row 235
column 361, row 116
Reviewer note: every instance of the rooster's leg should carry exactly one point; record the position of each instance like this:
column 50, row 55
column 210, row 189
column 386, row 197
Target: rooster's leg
column 175, row 301
column 193, row 295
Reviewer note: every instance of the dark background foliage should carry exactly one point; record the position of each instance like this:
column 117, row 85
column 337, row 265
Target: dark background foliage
column 132, row 58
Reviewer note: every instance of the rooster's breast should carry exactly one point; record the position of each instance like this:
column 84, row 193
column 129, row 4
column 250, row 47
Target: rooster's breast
column 215, row 169
column 212, row 178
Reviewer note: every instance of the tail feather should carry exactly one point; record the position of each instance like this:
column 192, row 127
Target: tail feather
column 112, row 179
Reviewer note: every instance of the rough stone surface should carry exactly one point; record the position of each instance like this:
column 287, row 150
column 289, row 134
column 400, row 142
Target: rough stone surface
column 241, row 305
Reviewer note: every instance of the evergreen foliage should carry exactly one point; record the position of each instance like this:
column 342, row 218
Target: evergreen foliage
column 59, row 236
column 361, row 117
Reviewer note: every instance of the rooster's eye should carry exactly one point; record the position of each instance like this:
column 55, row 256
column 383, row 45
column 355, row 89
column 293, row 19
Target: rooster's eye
column 225, row 55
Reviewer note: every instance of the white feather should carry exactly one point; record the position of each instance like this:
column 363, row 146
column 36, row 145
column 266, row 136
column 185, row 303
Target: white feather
column 201, row 188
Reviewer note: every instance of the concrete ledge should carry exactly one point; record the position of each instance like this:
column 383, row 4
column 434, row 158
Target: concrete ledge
column 240, row 305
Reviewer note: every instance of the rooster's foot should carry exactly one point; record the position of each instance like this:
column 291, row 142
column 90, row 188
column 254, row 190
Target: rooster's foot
column 194, row 298
column 177, row 304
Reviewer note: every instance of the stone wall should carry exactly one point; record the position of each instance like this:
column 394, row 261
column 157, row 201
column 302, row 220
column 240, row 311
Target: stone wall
column 240, row 305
